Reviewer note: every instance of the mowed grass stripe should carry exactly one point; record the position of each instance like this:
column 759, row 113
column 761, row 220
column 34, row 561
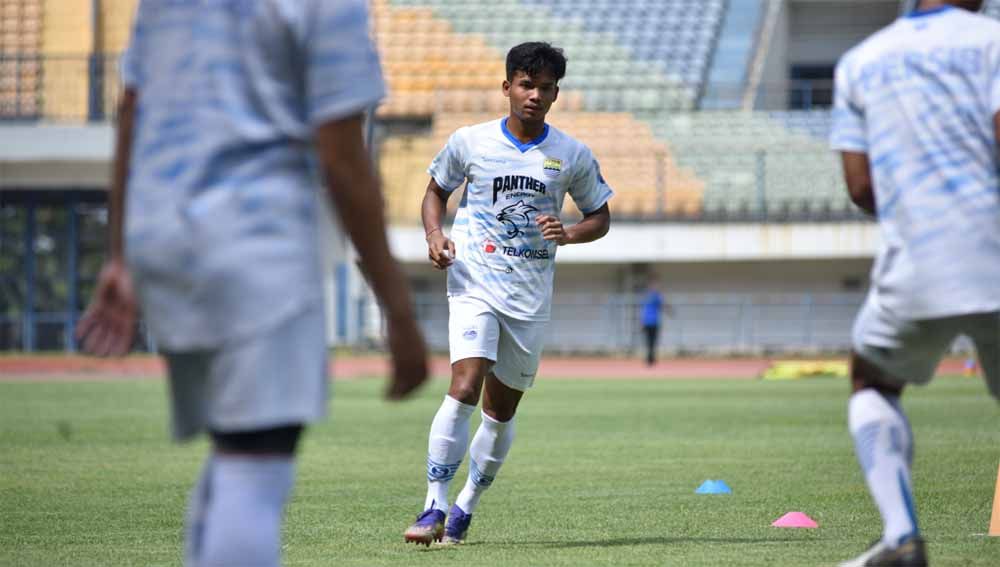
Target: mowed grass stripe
column 602, row 473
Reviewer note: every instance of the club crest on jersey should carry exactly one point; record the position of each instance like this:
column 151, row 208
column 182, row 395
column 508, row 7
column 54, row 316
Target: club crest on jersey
column 552, row 167
column 514, row 218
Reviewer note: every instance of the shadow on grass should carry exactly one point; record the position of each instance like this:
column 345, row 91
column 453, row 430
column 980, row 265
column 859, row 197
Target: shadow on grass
column 662, row 540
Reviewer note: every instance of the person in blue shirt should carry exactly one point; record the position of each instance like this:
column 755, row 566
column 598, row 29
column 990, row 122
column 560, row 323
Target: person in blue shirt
column 653, row 307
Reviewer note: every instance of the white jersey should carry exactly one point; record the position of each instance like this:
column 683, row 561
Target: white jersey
column 222, row 222
column 919, row 97
column 501, row 255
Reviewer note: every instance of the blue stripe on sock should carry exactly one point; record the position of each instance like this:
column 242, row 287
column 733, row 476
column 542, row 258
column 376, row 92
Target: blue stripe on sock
column 910, row 509
column 441, row 472
column 864, row 443
column 478, row 478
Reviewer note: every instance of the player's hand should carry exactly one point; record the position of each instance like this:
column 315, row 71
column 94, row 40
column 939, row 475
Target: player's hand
column 409, row 358
column 107, row 328
column 552, row 229
column 440, row 250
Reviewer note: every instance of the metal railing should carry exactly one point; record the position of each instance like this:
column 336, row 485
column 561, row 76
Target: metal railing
column 700, row 323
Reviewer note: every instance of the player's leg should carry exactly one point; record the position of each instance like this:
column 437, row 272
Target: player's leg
column 654, row 342
column 254, row 397
column 649, row 333
column 446, row 445
column 888, row 353
column 250, row 478
column 491, row 443
column 518, row 356
column 189, row 391
column 473, row 339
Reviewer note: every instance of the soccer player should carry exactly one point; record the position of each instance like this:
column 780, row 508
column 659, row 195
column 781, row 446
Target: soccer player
column 500, row 261
column 917, row 119
column 230, row 109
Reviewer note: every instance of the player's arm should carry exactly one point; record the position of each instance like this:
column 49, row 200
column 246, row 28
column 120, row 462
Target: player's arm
column 355, row 191
column 107, row 328
column 440, row 248
column 594, row 225
column 857, row 174
column 996, row 130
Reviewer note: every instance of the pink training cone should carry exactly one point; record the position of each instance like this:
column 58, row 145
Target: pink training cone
column 795, row 520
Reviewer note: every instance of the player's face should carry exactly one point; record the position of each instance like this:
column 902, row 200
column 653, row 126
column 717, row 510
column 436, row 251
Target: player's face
column 531, row 96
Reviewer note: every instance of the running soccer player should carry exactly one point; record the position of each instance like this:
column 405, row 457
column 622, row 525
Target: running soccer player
column 500, row 261
column 917, row 119
column 214, row 213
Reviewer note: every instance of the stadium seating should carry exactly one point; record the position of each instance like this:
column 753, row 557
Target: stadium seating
column 679, row 35
column 610, row 77
column 20, row 67
column 116, row 27
column 67, row 42
column 757, row 162
column 640, row 169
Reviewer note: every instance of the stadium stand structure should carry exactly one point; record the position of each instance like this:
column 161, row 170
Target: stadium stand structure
column 608, row 74
column 757, row 163
column 638, row 74
column 648, row 62
column 641, row 169
column 731, row 60
column 20, row 64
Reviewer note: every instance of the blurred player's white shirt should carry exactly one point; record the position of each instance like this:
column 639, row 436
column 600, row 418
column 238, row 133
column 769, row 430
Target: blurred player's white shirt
column 501, row 255
column 222, row 222
column 919, row 98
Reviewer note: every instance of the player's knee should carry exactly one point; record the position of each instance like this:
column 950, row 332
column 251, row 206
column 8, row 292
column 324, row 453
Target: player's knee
column 274, row 441
column 502, row 415
column 864, row 374
column 465, row 391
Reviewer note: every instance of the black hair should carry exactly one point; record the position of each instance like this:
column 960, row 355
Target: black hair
column 535, row 57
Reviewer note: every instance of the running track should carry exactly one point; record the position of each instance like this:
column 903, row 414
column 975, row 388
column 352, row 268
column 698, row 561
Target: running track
column 74, row 367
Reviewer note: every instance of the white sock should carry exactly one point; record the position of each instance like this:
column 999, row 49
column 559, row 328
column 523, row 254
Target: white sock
column 488, row 450
column 246, row 505
column 446, row 445
column 884, row 445
column 194, row 521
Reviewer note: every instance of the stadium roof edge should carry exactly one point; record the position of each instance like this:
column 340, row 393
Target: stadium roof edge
column 22, row 143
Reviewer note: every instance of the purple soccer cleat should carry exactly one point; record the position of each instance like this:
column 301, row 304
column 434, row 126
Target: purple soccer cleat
column 429, row 527
column 457, row 526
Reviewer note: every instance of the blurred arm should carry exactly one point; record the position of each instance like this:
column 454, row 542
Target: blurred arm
column 107, row 327
column 119, row 174
column 857, row 174
column 996, row 131
column 355, row 191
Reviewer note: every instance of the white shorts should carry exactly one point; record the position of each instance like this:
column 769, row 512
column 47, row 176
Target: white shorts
column 476, row 330
column 909, row 351
column 273, row 379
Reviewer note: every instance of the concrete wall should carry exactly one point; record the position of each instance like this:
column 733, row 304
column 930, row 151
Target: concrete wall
column 817, row 32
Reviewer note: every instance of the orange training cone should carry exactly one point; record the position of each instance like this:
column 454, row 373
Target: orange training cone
column 995, row 518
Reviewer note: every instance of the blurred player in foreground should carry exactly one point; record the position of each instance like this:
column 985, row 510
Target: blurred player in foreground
column 917, row 119
column 500, row 261
column 234, row 113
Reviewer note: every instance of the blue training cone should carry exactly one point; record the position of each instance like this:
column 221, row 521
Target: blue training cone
column 714, row 487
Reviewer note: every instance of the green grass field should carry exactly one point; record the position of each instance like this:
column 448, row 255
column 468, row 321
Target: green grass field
column 602, row 473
